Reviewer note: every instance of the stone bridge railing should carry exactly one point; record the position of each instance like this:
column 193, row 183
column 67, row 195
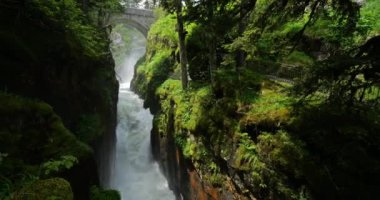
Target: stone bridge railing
column 139, row 12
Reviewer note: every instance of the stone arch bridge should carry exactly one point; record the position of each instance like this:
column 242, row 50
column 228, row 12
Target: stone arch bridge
column 140, row 19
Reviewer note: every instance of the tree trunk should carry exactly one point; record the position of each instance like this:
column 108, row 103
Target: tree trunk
column 212, row 56
column 240, row 53
column 212, row 42
column 85, row 6
column 182, row 47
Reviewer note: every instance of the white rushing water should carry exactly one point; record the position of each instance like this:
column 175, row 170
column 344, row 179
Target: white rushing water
column 134, row 172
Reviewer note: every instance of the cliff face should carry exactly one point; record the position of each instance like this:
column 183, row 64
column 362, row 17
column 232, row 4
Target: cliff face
column 182, row 176
column 179, row 157
column 45, row 56
column 213, row 142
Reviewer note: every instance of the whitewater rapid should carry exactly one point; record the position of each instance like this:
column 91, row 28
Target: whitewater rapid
column 134, row 173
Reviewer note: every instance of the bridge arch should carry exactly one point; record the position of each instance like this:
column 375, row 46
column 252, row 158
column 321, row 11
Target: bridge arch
column 140, row 19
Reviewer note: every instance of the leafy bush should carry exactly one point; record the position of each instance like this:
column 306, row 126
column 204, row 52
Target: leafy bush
column 53, row 166
column 268, row 160
column 66, row 15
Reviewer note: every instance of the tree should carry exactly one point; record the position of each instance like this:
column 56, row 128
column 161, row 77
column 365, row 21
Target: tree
column 347, row 80
column 176, row 5
column 221, row 20
column 182, row 47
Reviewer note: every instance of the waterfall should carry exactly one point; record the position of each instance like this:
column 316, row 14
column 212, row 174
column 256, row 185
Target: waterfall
column 134, row 173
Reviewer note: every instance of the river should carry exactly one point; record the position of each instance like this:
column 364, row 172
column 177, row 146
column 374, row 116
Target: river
column 134, row 173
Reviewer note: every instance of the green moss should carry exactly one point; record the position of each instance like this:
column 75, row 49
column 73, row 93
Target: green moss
column 34, row 124
column 189, row 111
column 151, row 74
column 299, row 58
column 90, row 128
column 190, row 105
column 156, row 65
column 162, row 33
column 169, row 88
column 101, row 194
column 49, row 189
column 271, row 108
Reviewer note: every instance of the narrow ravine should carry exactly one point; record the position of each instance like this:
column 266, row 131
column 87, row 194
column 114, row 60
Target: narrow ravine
column 134, row 172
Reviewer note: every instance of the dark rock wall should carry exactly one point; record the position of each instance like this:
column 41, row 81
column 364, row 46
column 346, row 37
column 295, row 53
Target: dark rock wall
column 40, row 61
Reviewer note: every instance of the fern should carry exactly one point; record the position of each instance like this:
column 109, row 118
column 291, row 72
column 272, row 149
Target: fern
column 66, row 162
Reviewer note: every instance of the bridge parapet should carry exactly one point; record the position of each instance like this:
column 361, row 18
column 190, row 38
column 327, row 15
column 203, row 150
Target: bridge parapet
column 139, row 12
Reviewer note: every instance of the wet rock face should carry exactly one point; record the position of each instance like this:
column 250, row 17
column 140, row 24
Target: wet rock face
column 183, row 178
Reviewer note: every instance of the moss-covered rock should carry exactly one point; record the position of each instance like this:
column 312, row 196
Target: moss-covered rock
column 48, row 189
column 31, row 133
column 101, row 194
column 158, row 63
column 35, row 127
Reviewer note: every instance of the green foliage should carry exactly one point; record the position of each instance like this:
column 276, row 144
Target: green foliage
column 101, row 194
column 268, row 159
column 369, row 15
column 343, row 143
column 246, row 153
column 54, row 166
column 66, row 15
column 8, row 185
column 216, row 178
column 162, row 33
column 197, row 52
column 281, row 149
column 344, row 79
column 6, row 188
column 244, row 122
column 244, row 85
